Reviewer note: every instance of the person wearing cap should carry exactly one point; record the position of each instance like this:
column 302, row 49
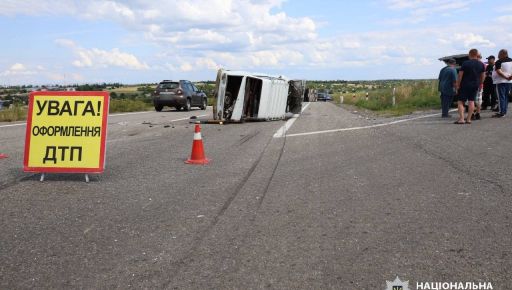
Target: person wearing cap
column 503, row 80
column 489, row 96
column 447, row 81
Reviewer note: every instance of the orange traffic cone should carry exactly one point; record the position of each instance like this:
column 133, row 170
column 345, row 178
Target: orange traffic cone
column 2, row 156
column 198, row 156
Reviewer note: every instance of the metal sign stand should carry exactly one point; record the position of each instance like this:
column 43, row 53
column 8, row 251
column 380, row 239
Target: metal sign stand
column 86, row 178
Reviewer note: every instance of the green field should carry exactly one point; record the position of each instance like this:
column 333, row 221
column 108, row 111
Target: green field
column 410, row 96
column 17, row 113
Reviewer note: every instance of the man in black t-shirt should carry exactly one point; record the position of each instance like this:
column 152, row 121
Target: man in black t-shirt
column 489, row 97
column 471, row 75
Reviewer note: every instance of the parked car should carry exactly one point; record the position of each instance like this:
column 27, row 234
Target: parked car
column 323, row 97
column 459, row 59
column 182, row 95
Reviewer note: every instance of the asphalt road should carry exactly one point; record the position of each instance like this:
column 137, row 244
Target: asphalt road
column 423, row 199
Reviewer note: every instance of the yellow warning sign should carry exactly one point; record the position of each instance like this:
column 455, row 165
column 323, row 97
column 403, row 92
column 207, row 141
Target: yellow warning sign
column 66, row 132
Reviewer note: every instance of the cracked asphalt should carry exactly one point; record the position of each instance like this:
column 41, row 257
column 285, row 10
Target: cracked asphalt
column 426, row 200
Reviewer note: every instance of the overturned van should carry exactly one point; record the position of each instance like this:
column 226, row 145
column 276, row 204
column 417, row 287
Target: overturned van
column 241, row 96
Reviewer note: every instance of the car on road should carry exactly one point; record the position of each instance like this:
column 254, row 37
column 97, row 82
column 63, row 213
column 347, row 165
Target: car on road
column 182, row 95
column 323, row 97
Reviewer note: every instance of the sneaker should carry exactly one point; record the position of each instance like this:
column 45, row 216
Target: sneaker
column 498, row 115
column 477, row 116
column 473, row 117
column 496, row 109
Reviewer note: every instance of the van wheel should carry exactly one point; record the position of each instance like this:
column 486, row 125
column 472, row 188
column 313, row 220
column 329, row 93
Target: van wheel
column 178, row 108
column 205, row 103
column 187, row 106
column 159, row 108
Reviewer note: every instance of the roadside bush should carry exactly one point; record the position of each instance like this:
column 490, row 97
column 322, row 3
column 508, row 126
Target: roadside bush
column 125, row 105
column 16, row 113
column 409, row 97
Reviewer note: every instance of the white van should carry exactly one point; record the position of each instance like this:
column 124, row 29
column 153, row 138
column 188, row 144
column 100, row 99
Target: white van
column 241, row 96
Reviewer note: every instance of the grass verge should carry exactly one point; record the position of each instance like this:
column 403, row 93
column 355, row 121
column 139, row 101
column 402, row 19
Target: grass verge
column 124, row 105
column 409, row 97
column 16, row 113
column 19, row 113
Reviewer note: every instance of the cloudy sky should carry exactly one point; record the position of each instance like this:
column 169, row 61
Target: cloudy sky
column 134, row 41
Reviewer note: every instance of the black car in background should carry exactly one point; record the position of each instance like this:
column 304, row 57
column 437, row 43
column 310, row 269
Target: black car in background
column 182, row 95
column 459, row 59
column 323, row 97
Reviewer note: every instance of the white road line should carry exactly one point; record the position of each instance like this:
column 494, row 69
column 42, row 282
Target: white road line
column 361, row 127
column 13, row 125
column 282, row 131
column 188, row 118
column 133, row 113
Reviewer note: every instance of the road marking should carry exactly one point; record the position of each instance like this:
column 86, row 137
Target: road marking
column 282, row 131
column 13, row 125
column 187, row 118
column 359, row 128
column 133, row 113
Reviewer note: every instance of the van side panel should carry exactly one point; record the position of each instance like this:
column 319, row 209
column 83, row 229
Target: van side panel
column 239, row 105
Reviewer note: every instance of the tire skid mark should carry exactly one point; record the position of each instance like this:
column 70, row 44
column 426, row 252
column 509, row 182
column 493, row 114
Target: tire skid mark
column 201, row 237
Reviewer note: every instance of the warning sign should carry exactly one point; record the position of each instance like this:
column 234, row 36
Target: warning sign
column 66, row 132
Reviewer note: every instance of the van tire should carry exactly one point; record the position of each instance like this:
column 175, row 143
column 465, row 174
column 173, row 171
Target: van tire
column 159, row 108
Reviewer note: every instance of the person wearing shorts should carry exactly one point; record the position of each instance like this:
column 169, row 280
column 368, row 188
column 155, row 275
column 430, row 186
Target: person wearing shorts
column 471, row 76
column 478, row 97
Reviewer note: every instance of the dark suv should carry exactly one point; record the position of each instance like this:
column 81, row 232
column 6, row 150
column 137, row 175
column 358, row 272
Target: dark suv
column 178, row 94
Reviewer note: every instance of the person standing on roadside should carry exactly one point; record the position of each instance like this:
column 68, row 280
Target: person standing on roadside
column 447, row 81
column 503, row 80
column 471, row 75
column 478, row 98
column 489, row 97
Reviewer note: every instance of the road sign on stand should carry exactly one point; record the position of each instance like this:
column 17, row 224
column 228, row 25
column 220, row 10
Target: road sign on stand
column 66, row 132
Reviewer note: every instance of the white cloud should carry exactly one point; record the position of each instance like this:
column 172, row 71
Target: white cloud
column 186, row 67
column 473, row 40
column 505, row 19
column 102, row 58
column 215, row 24
column 202, row 35
column 421, row 10
column 18, row 69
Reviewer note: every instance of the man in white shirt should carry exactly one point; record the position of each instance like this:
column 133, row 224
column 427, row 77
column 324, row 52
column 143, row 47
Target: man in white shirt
column 503, row 80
